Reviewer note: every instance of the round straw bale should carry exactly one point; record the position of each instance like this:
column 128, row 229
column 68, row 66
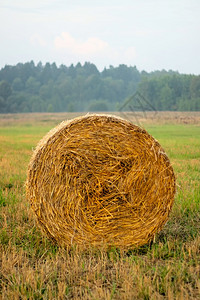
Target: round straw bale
column 100, row 180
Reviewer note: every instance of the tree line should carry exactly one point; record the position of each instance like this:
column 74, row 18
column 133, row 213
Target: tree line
column 27, row 87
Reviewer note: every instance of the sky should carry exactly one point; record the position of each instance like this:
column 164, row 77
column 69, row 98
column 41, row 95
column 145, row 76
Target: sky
column 149, row 34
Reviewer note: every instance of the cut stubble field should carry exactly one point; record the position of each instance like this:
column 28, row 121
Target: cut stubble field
column 32, row 267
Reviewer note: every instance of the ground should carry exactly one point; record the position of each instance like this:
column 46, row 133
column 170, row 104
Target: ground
column 32, row 267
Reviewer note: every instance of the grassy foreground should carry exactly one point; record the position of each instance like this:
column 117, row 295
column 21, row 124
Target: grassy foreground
column 31, row 267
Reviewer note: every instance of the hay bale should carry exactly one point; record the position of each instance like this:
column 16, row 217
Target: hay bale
column 99, row 180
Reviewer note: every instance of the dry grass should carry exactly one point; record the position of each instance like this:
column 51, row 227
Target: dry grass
column 100, row 180
column 31, row 267
column 98, row 275
column 160, row 117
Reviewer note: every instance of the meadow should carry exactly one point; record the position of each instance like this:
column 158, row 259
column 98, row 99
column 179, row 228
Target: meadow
column 32, row 267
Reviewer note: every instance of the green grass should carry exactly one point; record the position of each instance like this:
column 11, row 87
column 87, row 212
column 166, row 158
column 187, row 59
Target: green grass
column 31, row 267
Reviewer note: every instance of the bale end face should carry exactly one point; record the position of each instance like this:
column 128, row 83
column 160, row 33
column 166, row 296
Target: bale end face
column 99, row 180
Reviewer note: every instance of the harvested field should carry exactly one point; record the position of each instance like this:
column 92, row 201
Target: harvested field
column 32, row 267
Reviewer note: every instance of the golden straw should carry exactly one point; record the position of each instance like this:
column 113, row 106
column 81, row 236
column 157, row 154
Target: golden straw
column 100, row 180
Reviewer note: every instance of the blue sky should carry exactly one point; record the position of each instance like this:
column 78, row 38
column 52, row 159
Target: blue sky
column 151, row 34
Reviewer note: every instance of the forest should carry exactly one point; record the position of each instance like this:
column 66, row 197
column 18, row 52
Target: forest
column 27, row 87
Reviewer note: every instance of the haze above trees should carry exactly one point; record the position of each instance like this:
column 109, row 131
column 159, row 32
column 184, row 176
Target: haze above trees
column 48, row 88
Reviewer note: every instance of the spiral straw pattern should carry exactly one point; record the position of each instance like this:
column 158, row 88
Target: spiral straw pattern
column 100, row 180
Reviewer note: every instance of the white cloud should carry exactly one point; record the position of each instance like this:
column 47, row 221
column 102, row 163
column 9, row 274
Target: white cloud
column 149, row 34
column 93, row 49
column 91, row 46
